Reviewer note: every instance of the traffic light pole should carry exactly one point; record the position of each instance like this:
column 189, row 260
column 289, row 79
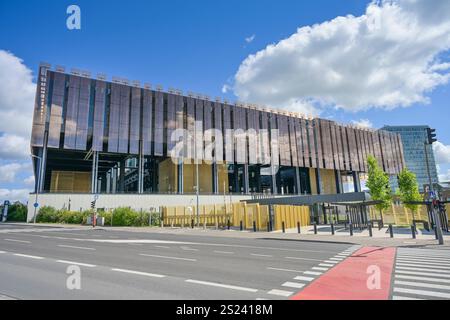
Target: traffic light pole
column 437, row 220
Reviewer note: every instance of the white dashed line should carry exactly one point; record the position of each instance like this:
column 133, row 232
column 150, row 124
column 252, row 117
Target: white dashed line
column 224, row 252
column 77, row 263
column 428, row 279
column 188, row 249
column 286, row 270
column 73, row 247
column 261, row 255
column 314, row 273
column 326, row 265
column 306, row 259
column 28, row 256
column 302, row 278
column 281, row 293
column 332, row 262
column 404, row 298
column 319, row 268
column 162, row 247
column 221, row 285
column 423, row 293
column 140, row 273
column 15, row 240
column 422, row 285
column 166, row 257
column 293, row 285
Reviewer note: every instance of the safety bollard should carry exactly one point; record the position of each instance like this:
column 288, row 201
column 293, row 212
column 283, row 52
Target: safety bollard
column 298, row 227
column 332, row 229
column 228, row 224
column 391, row 231
column 254, row 226
column 315, row 227
column 192, row 224
column 268, row 226
column 436, row 232
column 413, row 231
column 369, row 226
column 283, row 227
column 241, row 226
column 351, row 228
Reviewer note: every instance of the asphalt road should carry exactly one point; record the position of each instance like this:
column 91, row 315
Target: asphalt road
column 140, row 265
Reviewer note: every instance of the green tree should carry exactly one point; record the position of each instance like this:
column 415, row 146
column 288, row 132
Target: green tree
column 408, row 189
column 378, row 184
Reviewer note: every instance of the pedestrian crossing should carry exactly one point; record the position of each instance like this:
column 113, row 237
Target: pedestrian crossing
column 421, row 274
column 300, row 282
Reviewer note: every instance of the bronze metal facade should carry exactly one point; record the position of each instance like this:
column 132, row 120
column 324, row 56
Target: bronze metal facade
column 73, row 112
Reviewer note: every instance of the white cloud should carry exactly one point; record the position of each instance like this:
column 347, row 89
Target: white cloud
column 9, row 172
column 14, row 147
column 29, row 181
column 441, row 153
column 250, row 39
column 17, row 93
column 363, row 123
column 225, row 88
column 386, row 58
column 14, row 195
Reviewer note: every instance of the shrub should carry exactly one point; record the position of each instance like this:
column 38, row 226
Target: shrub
column 17, row 213
column 47, row 215
column 125, row 217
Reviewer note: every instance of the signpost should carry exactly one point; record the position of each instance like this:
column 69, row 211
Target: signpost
column 5, row 210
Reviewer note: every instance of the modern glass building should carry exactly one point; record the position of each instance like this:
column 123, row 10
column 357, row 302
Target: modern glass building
column 116, row 137
column 416, row 152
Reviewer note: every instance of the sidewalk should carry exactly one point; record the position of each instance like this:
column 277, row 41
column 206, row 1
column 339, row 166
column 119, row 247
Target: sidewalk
column 402, row 236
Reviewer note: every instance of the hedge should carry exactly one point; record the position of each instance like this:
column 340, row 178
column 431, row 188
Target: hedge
column 120, row 217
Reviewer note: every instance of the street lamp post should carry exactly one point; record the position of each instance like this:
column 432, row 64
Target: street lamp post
column 37, row 186
column 436, row 216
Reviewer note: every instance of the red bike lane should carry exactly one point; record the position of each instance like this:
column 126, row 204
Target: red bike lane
column 365, row 275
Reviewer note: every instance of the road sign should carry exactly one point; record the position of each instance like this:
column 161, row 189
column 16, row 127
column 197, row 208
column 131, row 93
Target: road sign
column 6, row 203
column 36, row 205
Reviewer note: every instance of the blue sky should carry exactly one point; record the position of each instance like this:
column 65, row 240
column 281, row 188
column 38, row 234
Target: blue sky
column 200, row 45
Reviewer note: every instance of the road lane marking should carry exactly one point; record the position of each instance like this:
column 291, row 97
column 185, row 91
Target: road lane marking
column 287, row 270
column 422, row 274
column 77, row 263
column 423, row 293
column 326, row 265
column 424, row 257
column 282, row 293
column 336, row 259
column 224, row 252
column 73, row 247
column 329, row 261
column 422, row 260
column 188, row 249
column 421, row 265
column 306, row 259
column 261, row 255
column 140, row 273
column 221, row 285
column 28, row 256
column 2, row 252
column 162, row 247
column 302, row 278
column 166, row 257
column 314, row 273
column 15, row 240
column 319, row 268
column 404, row 298
column 422, row 285
column 293, row 285
column 427, row 279
column 397, row 267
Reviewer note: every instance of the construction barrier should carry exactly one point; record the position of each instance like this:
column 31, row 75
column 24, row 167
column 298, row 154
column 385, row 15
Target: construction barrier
column 249, row 215
column 399, row 215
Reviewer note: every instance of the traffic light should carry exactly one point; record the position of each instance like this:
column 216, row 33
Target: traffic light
column 93, row 204
column 431, row 133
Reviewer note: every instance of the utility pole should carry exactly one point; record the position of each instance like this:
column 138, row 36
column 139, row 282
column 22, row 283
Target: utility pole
column 437, row 220
column 38, row 184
